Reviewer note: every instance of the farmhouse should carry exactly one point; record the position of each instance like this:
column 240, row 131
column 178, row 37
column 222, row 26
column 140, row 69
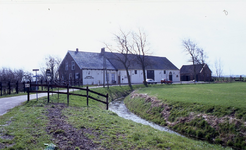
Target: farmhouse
column 103, row 67
column 203, row 73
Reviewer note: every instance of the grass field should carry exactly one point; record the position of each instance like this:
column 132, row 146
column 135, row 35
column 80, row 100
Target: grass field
column 25, row 127
column 213, row 112
column 225, row 95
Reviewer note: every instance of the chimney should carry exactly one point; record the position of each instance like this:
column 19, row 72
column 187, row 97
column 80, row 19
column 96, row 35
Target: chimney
column 77, row 50
column 102, row 51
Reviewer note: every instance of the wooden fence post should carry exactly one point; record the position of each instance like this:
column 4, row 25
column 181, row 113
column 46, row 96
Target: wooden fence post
column 87, row 94
column 48, row 86
column 28, row 93
column 107, row 101
column 1, row 86
column 67, row 94
column 9, row 88
column 17, row 87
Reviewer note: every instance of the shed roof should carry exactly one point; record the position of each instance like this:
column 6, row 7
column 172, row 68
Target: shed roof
column 185, row 69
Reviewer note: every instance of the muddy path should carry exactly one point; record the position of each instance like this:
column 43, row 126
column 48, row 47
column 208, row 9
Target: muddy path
column 64, row 135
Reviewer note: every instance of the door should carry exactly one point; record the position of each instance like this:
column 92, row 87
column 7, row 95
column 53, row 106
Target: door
column 118, row 79
column 151, row 74
column 170, row 76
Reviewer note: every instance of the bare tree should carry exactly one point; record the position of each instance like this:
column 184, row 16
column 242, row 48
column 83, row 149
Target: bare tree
column 197, row 54
column 140, row 50
column 191, row 49
column 218, row 68
column 201, row 56
column 28, row 76
column 12, row 75
column 123, row 50
column 52, row 63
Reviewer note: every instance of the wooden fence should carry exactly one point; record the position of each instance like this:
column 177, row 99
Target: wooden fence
column 15, row 87
column 32, row 86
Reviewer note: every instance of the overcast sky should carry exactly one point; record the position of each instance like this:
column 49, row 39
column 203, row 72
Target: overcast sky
column 33, row 29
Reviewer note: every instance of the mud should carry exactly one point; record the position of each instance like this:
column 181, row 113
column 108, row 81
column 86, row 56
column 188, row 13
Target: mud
column 65, row 136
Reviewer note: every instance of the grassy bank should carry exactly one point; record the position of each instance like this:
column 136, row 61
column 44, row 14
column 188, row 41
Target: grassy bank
column 212, row 112
column 29, row 126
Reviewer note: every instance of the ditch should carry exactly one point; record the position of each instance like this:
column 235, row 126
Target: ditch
column 118, row 107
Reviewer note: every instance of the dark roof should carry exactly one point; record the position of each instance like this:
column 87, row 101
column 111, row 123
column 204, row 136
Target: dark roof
column 154, row 62
column 89, row 60
column 185, row 69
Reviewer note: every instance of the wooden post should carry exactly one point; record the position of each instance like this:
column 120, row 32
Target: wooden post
column 24, row 87
column 17, row 87
column 107, row 101
column 42, row 85
column 28, row 94
column 1, row 86
column 9, row 88
column 87, row 94
column 48, row 86
column 67, row 94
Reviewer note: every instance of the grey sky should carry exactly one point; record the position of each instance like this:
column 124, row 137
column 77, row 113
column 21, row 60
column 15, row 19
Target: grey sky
column 31, row 30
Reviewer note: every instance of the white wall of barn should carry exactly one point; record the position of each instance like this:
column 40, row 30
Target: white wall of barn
column 95, row 77
column 164, row 74
column 137, row 75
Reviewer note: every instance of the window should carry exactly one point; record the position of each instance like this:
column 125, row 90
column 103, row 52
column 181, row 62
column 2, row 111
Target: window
column 77, row 76
column 164, row 71
column 66, row 66
column 70, row 76
column 73, row 65
column 136, row 72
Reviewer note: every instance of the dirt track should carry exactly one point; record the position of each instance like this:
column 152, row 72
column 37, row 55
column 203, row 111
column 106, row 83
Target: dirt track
column 65, row 136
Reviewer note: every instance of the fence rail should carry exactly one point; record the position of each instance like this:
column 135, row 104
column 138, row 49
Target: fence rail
column 15, row 87
column 67, row 87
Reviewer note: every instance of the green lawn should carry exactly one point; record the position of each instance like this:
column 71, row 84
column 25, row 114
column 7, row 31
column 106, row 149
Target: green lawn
column 226, row 95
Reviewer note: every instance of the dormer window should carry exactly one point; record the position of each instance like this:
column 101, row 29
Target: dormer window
column 73, row 65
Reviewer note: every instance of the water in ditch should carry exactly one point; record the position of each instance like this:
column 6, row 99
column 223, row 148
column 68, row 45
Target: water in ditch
column 118, row 107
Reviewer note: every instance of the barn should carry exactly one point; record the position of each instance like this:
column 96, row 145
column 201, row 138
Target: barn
column 202, row 72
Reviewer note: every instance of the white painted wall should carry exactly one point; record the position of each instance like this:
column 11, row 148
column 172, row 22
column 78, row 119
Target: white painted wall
column 96, row 76
column 159, row 74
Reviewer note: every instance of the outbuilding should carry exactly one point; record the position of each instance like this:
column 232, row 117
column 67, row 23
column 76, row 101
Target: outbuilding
column 202, row 72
